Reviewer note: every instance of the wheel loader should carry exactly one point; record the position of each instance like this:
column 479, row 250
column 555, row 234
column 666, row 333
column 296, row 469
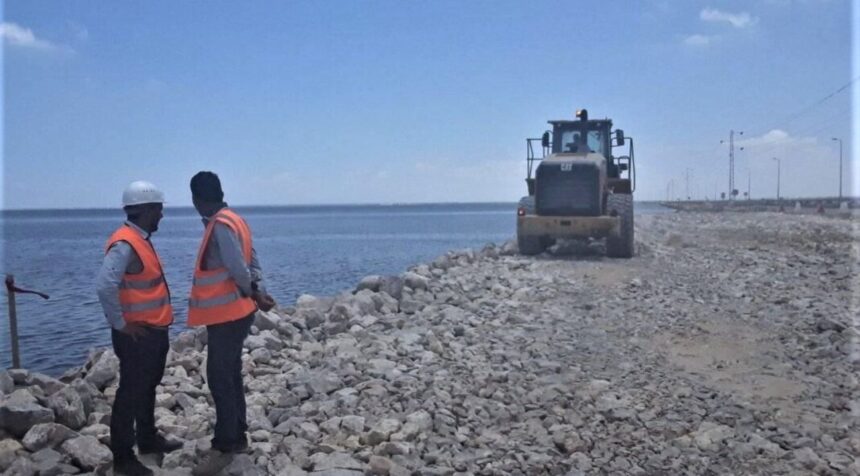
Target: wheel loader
column 577, row 187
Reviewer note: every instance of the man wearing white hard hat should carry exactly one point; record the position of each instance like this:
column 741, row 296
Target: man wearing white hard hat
column 136, row 301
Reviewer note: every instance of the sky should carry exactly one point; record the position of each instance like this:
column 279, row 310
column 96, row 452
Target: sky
column 337, row 102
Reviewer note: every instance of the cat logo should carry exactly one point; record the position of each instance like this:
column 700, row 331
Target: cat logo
column 566, row 167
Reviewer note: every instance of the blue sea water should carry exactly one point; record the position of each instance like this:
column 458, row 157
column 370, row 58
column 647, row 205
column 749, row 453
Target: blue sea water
column 321, row 250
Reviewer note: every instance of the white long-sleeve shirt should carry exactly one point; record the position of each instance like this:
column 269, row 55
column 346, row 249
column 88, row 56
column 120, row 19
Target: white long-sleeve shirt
column 225, row 250
column 119, row 260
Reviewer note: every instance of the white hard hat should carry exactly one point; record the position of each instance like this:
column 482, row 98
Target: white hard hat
column 141, row 192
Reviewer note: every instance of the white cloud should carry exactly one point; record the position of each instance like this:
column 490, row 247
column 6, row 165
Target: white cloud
column 699, row 40
column 774, row 138
column 738, row 20
column 17, row 35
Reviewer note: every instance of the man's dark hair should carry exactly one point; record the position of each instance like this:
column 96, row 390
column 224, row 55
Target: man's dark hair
column 206, row 187
column 132, row 212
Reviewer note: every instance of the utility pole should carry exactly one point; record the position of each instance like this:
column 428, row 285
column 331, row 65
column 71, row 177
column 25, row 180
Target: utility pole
column 840, row 167
column 749, row 185
column 778, row 167
column 732, row 161
column 688, row 183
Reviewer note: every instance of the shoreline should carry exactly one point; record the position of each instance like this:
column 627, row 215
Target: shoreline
column 484, row 361
column 317, row 252
column 846, row 207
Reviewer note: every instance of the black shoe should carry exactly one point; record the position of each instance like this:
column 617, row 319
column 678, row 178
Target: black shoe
column 158, row 445
column 131, row 467
column 235, row 448
column 240, row 446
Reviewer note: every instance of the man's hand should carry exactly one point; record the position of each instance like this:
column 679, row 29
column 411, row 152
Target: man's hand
column 134, row 330
column 264, row 301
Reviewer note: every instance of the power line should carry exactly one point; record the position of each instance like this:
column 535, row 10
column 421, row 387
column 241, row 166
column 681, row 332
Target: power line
column 819, row 102
column 764, row 149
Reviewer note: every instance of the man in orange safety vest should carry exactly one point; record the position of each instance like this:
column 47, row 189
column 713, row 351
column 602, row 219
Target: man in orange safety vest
column 136, row 302
column 226, row 292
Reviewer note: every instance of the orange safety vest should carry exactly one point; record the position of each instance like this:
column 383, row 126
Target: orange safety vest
column 144, row 297
column 215, row 297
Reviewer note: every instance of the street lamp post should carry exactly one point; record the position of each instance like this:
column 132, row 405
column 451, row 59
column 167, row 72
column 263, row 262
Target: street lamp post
column 840, row 166
column 778, row 167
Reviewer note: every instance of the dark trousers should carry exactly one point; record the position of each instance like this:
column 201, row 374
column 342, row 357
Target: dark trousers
column 224, row 373
column 141, row 366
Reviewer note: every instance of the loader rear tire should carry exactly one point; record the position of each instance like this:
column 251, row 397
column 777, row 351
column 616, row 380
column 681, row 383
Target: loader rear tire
column 621, row 246
column 530, row 245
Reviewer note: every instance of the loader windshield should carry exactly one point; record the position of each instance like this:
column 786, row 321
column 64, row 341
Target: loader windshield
column 572, row 141
column 576, row 140
column 595, row 142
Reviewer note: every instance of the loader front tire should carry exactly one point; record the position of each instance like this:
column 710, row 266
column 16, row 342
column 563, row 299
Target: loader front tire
column 621, row 246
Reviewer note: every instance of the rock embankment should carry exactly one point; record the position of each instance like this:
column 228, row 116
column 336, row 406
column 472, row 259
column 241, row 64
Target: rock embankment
column 725, row 347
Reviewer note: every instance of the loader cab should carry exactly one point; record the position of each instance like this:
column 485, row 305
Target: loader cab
column 584, row 136
column 578, row 137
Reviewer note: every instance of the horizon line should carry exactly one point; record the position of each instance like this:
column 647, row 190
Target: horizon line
column 320, row 205
column 408, row 204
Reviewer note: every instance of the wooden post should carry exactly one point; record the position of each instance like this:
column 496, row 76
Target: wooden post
column 13, row 321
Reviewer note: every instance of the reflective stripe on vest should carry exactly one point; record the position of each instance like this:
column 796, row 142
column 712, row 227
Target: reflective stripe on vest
column 216, row 301
column 145, row 306
column 215, row 297
column 209, row 280
column 125, row 284
column 144, row 297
